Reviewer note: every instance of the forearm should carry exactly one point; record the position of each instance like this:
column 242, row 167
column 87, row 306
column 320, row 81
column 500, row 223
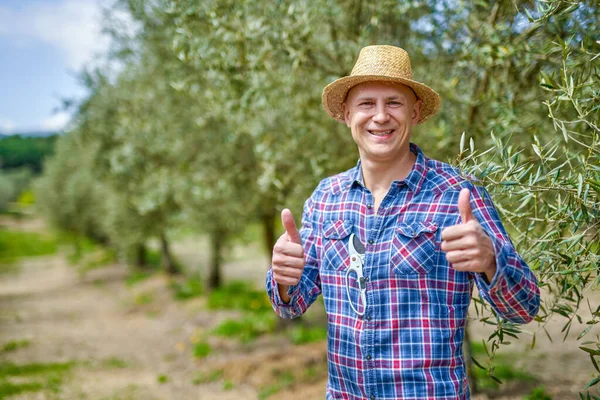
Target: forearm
column 295, row 300
column 283, row 293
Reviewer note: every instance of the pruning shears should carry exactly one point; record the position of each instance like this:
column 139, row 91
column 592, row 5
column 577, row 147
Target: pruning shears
column 357, row 260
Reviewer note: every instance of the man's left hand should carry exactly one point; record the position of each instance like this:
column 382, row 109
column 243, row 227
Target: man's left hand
column 467, row 246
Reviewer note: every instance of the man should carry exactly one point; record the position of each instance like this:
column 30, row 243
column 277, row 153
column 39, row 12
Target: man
column 395, row 246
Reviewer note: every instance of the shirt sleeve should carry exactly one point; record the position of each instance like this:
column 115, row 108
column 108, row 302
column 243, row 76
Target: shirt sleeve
column 308, row 288
column 513, row 291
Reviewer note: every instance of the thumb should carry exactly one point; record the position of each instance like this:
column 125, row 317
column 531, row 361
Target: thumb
column 464, row 206
column 287, row 219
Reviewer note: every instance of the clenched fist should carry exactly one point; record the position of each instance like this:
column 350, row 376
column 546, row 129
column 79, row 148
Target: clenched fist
column 288, row 256
column 467, row 246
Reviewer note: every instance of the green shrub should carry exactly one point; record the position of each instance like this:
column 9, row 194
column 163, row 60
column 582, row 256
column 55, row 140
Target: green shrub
column 190, row 288
column 239, row 296
column 249, row 327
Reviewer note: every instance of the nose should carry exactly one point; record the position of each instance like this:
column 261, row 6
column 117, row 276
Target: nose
column 381, row 115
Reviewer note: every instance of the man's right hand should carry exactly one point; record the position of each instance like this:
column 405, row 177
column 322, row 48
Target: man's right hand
column 288, row 256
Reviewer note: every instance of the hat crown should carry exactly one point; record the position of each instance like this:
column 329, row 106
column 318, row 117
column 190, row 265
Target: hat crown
column 380, row 63
column 383, row 60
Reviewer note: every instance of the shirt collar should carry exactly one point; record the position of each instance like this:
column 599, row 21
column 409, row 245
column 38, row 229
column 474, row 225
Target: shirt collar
column 414, row 180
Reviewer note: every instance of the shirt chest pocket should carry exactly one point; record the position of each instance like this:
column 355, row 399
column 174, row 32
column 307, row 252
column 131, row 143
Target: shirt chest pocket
column 336, row 256
column 413, row 248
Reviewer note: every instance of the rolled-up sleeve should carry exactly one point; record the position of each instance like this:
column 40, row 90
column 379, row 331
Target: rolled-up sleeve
column 308, row 288
column 513, row 292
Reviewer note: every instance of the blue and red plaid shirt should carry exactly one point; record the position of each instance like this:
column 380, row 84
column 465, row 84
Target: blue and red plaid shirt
column 408, row 343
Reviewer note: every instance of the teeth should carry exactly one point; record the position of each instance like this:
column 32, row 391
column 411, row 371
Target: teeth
column 381, row 133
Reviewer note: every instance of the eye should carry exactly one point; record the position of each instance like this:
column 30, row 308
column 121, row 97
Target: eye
column 394, row 103
column 365, row 103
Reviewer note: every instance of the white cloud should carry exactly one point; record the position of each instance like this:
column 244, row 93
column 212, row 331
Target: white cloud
column 73, row 26
column 6, row 126
column 56, row 122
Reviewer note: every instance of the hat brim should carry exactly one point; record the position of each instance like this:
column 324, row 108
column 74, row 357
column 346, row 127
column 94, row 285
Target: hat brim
column 335, row 94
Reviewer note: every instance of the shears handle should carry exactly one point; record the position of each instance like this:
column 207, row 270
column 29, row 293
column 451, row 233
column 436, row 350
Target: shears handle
column 356, row 267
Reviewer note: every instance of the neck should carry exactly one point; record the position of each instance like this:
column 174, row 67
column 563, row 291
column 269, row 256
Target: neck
column 378, row 176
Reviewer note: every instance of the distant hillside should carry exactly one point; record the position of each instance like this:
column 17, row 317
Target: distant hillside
column 18, row 151
column 30, row 134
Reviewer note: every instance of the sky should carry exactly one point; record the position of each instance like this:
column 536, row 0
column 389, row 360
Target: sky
column 43, row 46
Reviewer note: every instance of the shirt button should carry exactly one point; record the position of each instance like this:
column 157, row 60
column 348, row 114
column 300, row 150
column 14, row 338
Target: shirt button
column 372, row 397
column 371, row 241
column 369, row 206
column 368, row 357
column 368, row 318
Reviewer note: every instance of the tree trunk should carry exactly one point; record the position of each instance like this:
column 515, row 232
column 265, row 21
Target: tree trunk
column 140, row 256
column 268, row 223
column 217, row 241
column 167, row 259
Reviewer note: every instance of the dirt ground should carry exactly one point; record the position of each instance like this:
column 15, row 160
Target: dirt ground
column 123, row 344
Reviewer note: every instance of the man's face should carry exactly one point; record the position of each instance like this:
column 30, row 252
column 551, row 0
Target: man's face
column 381, row 116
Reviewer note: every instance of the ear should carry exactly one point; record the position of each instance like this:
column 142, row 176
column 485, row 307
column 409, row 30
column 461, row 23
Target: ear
column 416, row 111
column 347, row 118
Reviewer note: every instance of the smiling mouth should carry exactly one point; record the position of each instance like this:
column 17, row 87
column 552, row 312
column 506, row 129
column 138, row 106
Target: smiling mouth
column 381, row 133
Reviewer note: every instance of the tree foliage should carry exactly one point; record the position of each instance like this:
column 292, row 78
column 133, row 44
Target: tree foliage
column 213, row 120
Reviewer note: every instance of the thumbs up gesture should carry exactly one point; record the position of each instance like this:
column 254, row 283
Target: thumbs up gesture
column 288, row 256
column 467, row 246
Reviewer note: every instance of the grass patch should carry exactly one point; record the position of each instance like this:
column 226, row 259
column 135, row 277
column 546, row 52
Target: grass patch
column 208, row 377
column 13, row 389
column 80, row 246
column 303, row 334
column 137, row 276
column 115, row 363
column 189, row 288
column 249, row 327
column 162, row 379
column 11, row 369
column 33, row 377
column 98, row 259
column 538, row 393
column 14, row 345
column 130, row 392
column 16, row 244
column 143, row 298
column 202, row 349
column 284, row 380
column 239, row 295
column 503, row 369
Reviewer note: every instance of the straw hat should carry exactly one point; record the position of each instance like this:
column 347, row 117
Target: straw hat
column 383, row 64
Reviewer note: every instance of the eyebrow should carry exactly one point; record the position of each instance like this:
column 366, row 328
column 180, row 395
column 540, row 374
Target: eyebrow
column 394, row 97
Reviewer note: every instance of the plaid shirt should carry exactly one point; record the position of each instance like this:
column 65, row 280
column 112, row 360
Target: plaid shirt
column 408, row 344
